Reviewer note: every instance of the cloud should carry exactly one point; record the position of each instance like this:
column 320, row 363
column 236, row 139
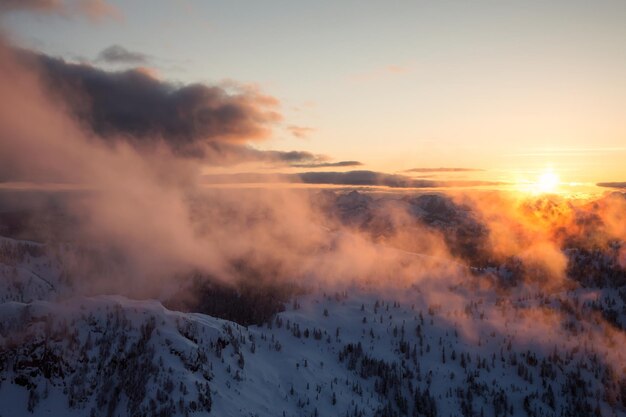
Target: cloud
column 35, row 5
column 363, row 178
column 131, row 105
column 97, row 9
column 295, row 156
column 355, row 178
column 246, row 153
column 301, row 132
column 612, row 184
column 328, row 164
column 94, row 10
column 372, row 178
column 349, row 178
column 295, row 159
column 225, row 154
column 116, row 54
column 442, row 169
column 303, row 159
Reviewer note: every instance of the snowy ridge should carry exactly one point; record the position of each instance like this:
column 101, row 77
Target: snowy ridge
column 26, row 274
column 424, row 350
column 351, row 352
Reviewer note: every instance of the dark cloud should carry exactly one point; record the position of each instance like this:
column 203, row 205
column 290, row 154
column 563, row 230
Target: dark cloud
column 295, row 159
column 328, row 164
column 303, row 159
column 132, row 105
column 350, row 178
column 94, row 10
column 232, row 153
column 442, row 169
column 35, row 5
column 116, row 54
column 222, row 153
column 295, row 156
column 215, row 123
column 363, row 178
column 612, row 184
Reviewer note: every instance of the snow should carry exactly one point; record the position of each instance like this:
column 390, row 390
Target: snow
column 99, row 344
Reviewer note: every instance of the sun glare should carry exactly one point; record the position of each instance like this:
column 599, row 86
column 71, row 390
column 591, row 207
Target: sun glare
column 548, row 182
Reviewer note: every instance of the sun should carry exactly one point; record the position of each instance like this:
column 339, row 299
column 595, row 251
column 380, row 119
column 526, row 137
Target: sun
column 548, row 182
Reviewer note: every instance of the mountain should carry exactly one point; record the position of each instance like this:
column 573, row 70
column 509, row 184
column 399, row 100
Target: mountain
column 356, row 350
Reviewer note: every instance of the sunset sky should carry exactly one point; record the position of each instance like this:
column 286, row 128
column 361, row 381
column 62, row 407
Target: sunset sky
column 514, row 88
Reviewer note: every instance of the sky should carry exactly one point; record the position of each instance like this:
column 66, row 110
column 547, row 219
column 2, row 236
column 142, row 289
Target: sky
column 514, row 89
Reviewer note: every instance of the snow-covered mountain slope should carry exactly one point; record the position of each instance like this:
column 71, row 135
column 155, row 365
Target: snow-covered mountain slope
column 466, row 345
column 353, row 352
column 26, row 274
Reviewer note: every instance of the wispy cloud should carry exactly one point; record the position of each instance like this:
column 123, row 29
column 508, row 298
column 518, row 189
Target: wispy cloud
column 328, row 164
column 297, row 159
column 94, row 10
column 301, row 132
column 117, row 54
column 621, row 184
column 348, row 178
column 443, row 169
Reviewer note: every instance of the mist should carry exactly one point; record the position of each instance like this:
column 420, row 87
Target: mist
column 143, row 217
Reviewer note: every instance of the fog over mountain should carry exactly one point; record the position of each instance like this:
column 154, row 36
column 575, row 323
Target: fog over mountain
column 162, row 254
column 401, row 304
